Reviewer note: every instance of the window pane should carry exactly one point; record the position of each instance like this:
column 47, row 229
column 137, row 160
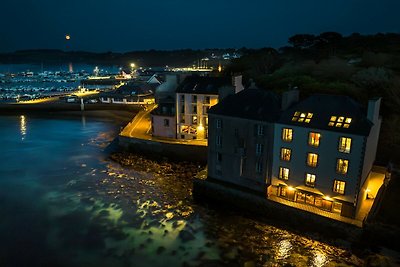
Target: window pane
column 285, row 154
column 312, row 160
column 342, row 166
column 287, row 134
column 313, row 139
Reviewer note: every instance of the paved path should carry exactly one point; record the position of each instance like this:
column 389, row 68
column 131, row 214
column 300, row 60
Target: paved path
column 140, row 128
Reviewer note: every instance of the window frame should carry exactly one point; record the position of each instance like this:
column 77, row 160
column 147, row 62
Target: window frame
column 309, row 184
column 339, row 144
column 337, row 165
column 309, row 139
column 218, row 140
column 290, row 154
column 218, row 123
column 259, row 149
column 281, row 172
column 283, row 136
column 316, row 164
column 334, row 187
column 166, row 122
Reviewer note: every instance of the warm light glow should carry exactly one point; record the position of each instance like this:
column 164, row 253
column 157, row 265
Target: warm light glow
column 290, row 188
column 67, row 37
column 328, row 198
column 132, row 65
column 219, row 68
column 22, row 121
column 200, row 128
column 302, row 117
column 340, row 122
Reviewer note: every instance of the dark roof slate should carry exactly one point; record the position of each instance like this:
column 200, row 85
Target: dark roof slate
column 325, row 106
column 253, row 104
column 203, row 85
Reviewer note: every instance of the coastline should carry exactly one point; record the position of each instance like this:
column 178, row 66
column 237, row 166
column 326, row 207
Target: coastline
column 116, row 114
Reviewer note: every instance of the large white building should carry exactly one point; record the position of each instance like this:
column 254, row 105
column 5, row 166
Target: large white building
column 194, row 97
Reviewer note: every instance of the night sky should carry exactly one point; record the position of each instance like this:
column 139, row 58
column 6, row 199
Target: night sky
column 127, row 25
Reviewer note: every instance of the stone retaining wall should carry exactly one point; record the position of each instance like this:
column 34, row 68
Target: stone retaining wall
column 155, row 149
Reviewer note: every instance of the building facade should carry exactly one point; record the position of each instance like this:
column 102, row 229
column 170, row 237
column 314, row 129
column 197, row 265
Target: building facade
column 324, row 149
column 240, row 138
column 163, row 122
column 194, row 97
column 318, row 151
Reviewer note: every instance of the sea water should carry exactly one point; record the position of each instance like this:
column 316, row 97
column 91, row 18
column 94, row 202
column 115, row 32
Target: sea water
column 64, row 203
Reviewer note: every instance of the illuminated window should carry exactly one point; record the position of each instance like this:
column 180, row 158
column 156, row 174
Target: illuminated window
column 283, row 173
column 302, row 116
column 287, row 135
column 218, row 123
column 342, row 166
column 258, row 167
column 312, row 159
column 339, row 122
column 194, row 120
column 313, row 139
column 285, row 154
column 259, row 149
column 310, row 180
column 344, row 144
column 339, row 186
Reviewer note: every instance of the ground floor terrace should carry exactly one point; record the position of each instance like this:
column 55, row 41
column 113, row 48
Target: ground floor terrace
column 330, row 207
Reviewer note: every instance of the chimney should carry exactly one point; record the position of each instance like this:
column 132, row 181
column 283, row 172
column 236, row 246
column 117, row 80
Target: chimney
column 373, row 109
column 289, row 98
column 237, row 83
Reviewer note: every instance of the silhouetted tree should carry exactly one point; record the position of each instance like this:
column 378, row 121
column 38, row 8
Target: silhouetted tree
column 302, row 41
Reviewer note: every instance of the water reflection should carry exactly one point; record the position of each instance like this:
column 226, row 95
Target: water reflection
column 319, row 258
column 22, row 122
column 284, row 248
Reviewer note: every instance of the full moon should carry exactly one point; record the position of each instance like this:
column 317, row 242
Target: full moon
column 67, row 37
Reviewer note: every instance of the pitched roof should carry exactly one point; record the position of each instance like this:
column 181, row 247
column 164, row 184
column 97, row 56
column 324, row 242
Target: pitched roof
column 253, row 104
column 166, row 107
column 203, row 85
column 323, row 107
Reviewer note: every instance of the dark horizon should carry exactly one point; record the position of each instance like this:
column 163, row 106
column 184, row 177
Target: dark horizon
column 102, row 26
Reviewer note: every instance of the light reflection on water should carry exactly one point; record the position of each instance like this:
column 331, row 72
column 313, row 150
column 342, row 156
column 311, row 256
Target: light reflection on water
column 319, row 258
column 23, row 127
column 284, row 248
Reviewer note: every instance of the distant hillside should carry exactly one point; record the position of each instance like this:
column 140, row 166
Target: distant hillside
column 186, row 57
column 359, row 66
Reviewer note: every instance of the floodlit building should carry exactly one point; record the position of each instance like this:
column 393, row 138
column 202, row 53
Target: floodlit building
column 324, row 150
column 194, row 97
column 319, row 151
column 163, row 122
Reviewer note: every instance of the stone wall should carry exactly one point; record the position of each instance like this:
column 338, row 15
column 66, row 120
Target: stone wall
column 172, row 151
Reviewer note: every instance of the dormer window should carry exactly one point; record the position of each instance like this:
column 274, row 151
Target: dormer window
column 339, row 122
column 302, row 116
